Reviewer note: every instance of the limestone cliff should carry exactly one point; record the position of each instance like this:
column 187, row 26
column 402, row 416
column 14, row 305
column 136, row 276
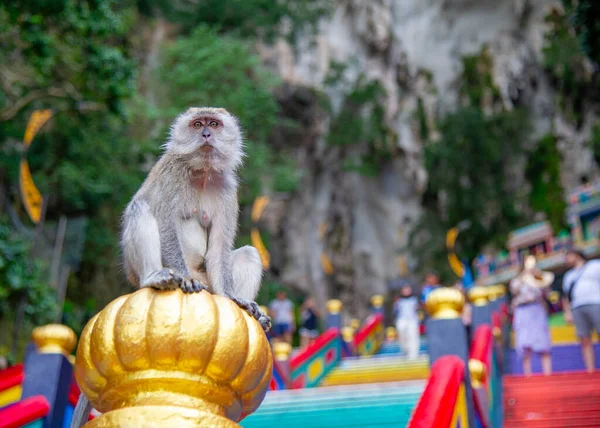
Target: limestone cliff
column 413, row 49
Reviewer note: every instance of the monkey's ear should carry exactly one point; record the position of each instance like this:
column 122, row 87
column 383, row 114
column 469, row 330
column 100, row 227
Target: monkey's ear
column 222, row 110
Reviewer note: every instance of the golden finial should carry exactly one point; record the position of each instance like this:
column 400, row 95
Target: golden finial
column 194, row 360
column 334, row 306
column 390, row 333
column 477, row 371
column 445, row 302
column 355, row 323
column 347, row 334
column 497, row 332
column 54, row 339
column 377, row 301
column 282, row 351
column 478, row 296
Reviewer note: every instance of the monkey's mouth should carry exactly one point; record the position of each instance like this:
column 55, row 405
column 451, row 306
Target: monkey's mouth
column 207, row 148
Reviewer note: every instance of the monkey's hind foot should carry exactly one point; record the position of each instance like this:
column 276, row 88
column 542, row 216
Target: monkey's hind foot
column 192, row 286
column 254, row 310
column 167, row 279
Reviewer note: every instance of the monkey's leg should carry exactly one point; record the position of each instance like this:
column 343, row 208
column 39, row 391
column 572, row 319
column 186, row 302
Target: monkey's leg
column 247, row 275
column 142, row 249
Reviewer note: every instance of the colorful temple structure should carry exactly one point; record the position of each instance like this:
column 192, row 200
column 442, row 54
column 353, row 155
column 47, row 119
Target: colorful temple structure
column 199, row 361
column 538, row 239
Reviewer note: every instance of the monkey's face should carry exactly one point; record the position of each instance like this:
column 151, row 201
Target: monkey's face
column 209, row 138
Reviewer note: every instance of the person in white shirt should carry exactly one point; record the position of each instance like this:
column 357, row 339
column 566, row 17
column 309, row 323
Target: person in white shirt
column 281, row 310
column 407, row 322
column 581, row 301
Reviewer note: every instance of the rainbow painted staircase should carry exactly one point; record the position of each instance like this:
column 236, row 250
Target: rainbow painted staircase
column 387, row 404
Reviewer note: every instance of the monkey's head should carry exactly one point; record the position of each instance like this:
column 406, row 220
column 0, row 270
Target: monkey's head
column 208, row 138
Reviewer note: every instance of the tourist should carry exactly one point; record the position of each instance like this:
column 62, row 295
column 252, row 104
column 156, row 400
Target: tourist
column 309, row 316
column 581, row 301
column 432, row 281
column 407, row 322
column 530, row 321
column 282, row 314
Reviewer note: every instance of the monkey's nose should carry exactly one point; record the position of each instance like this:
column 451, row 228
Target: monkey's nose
column 206, row 134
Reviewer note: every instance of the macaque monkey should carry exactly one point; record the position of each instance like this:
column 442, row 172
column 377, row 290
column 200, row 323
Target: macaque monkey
column 178, row 230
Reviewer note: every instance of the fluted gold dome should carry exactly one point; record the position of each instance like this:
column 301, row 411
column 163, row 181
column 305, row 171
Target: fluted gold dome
column 445, row 302
column 478, row 296
column 197, row 358
column 54, row 339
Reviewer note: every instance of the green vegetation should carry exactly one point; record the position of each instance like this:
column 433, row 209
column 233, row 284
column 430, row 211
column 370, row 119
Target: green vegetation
column 361, row 123
column 543, row 173
column 113, row 100
column 469, row 170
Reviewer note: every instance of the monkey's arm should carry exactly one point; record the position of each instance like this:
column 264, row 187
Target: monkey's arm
column 219, row 255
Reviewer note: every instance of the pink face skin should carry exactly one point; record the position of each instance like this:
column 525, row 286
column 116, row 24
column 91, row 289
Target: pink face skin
column 406, row 291
column 207, row 125
column 209, row 138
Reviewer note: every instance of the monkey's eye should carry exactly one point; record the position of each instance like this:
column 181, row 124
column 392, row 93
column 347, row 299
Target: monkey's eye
column 213, row 123
column 197, row 124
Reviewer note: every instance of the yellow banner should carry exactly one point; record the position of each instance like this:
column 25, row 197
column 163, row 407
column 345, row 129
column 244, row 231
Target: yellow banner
column 257, row 243
column 36, row 121
column 32, row 198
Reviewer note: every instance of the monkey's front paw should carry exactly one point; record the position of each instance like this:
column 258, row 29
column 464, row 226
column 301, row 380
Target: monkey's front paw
column 254, row 310
column 192, row 286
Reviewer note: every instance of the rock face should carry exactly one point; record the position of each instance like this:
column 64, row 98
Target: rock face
column 413, row 48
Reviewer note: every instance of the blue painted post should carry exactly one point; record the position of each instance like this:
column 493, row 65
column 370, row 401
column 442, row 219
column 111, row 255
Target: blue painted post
column 48, row 372
column 282, row 351
column 480, row 309
column 334, row 314
column 447, row 335
column 348, row 339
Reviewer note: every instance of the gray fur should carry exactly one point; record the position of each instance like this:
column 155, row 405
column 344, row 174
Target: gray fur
column 173, row 225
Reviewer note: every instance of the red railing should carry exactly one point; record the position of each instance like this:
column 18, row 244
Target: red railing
column 372, row 327
column 11, row 376
column 24, row 412
column 437, row 405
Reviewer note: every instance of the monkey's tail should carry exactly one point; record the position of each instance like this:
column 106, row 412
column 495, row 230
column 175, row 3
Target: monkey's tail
column 81, row 412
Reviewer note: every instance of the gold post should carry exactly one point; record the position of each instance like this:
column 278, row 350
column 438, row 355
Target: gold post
column 377, row 301
column 334, row 306
column 282, row 351
column 54, row 339
column 477, row 371
column 391, row 333
column 347, row 334
column 445, row 302
column 194, row 360
column 478, row 296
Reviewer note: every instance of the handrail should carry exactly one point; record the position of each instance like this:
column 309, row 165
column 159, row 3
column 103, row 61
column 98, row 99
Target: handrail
column 24, row 412
column 313, row 348
column 308, row 367
column 443, row 400
column 481, row 345
column 11, row 376
column 482, row 348
column 366, row 340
